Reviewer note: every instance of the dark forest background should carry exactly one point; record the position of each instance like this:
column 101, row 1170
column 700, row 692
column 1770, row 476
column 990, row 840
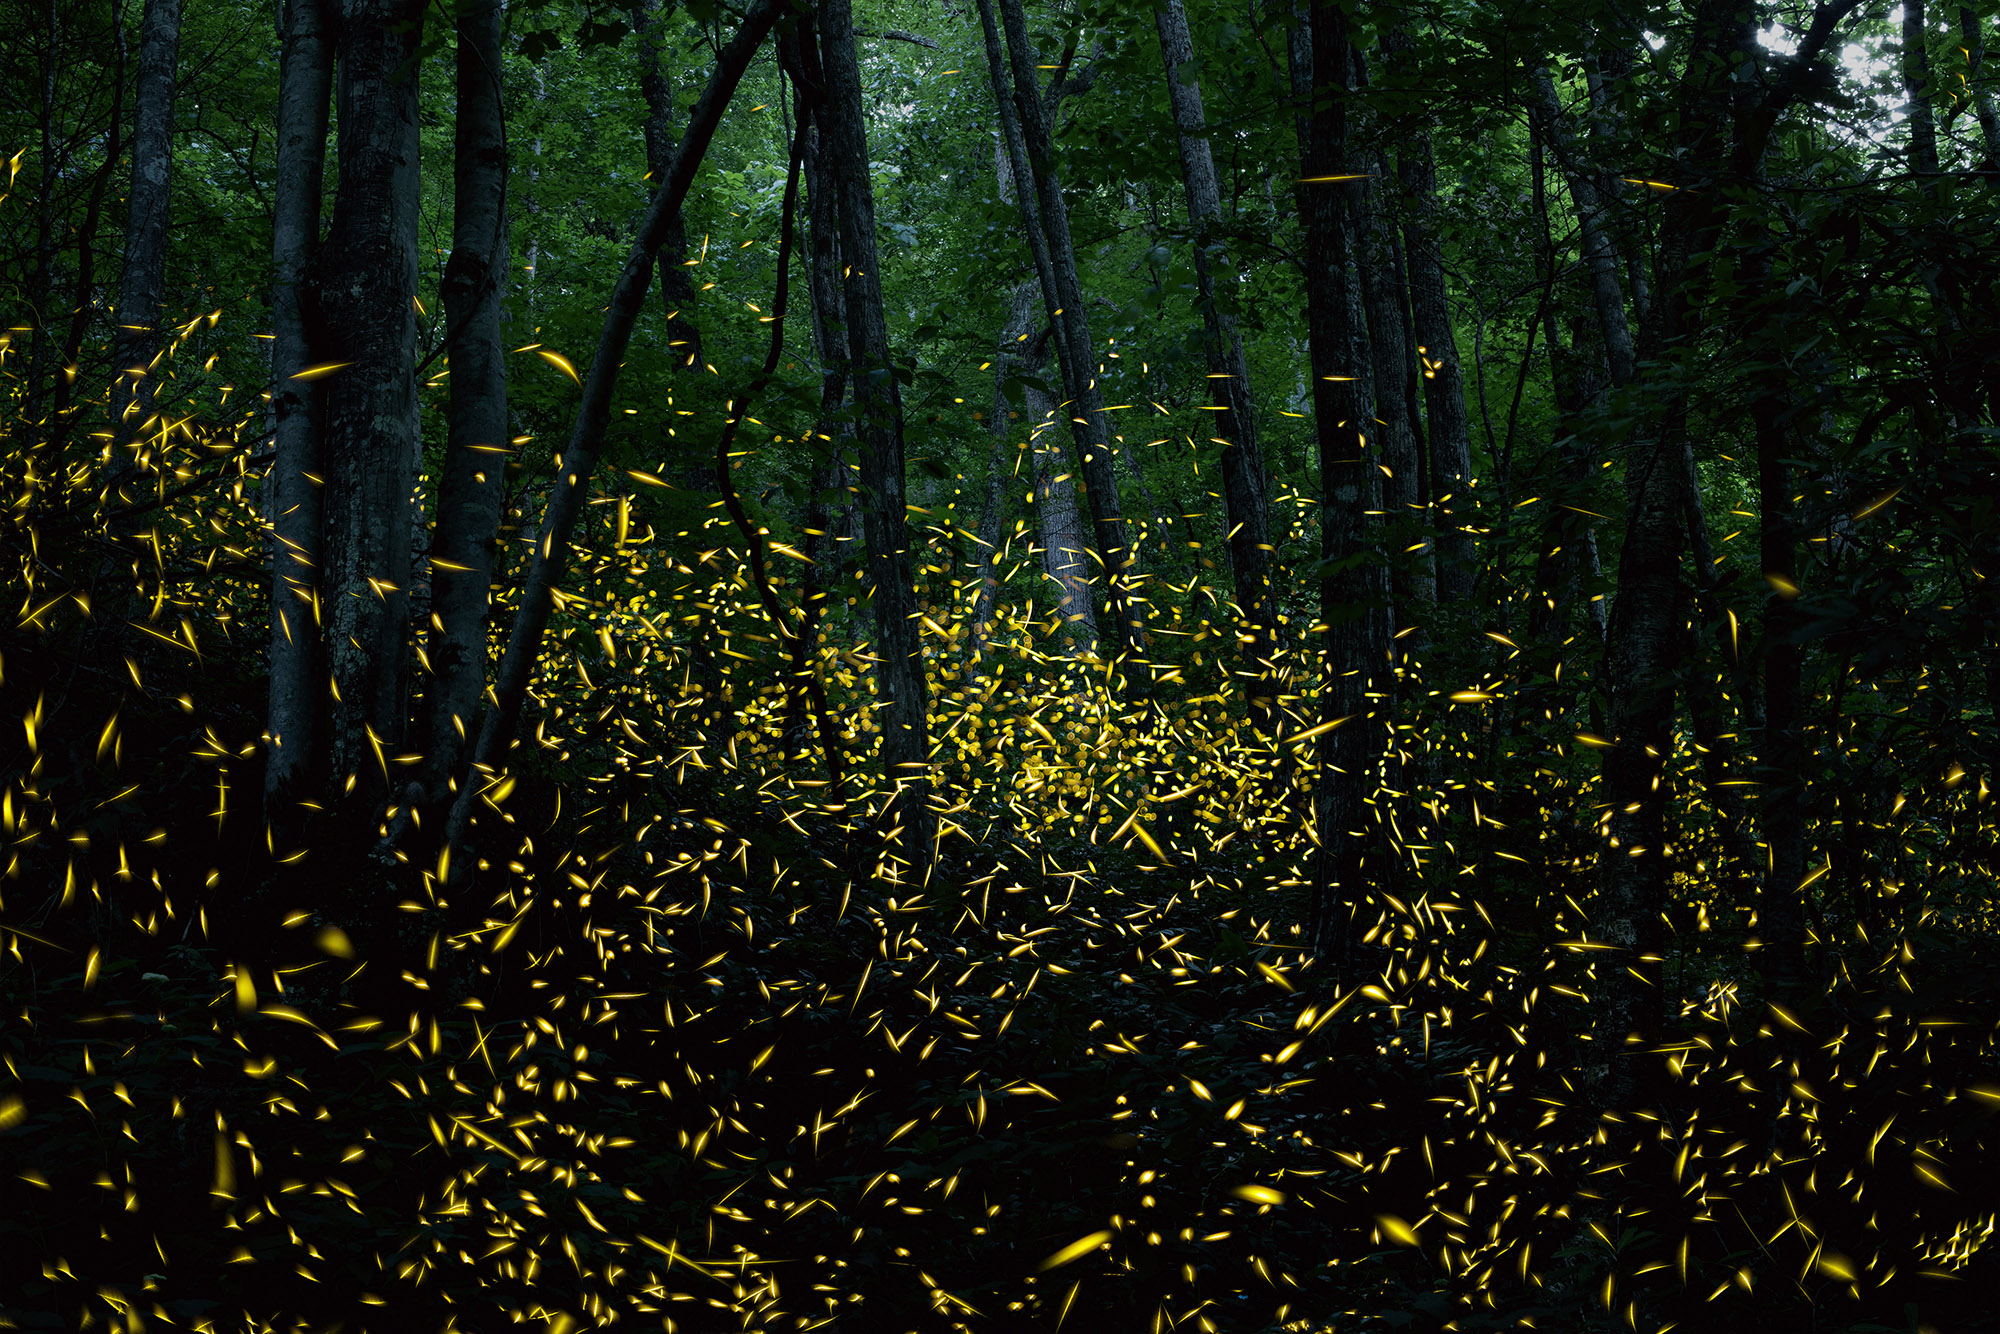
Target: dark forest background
column 1199, row 665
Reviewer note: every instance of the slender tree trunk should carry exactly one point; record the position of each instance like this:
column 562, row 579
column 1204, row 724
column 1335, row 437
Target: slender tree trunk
column 1914, row 65
column 297, row 665
column 1448, row 427
column 1244, row 488
column 473, row 488
column 1724, row 127
column 1413, row 574
column 1781, row 918
column 1353, row 594
column 656, row 84
column 360, row 315
column 832, row 434
column 550, row 560
column 142, row 287
column 1973, row 32
column 1599, row 257
column 1024, row 122
column 899, row 671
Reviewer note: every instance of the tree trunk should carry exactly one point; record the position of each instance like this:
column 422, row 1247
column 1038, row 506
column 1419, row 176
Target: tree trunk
column 1024, row 123
column 899, row 670
column 586, row 439
column 360, row 315
column 1974, row 34
column 831, row 435
column 142, row 287
column 1599, row 258
column 656, row 84
column 1914, row 65
column 297, row 665
column 473, row 485
column 1065, row 558
column 1448, row 427
column 1353, row 595
column 1413, row 574
column 1244, row 488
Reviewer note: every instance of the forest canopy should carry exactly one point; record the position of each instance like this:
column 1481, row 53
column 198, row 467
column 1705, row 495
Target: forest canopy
column 980, row 665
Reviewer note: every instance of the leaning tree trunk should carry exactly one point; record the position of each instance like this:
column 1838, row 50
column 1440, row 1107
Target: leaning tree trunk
column 1031, row 146
column 1243, row 484
column 142, row 287
column 1352, row 596
column 1599, row 257
column 361, row 316
column 297, row 688
column 473, row 488
column 899, row 669
column 593, row 414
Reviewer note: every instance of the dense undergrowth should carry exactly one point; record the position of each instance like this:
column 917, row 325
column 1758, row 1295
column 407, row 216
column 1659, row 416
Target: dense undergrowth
column 691, row 1057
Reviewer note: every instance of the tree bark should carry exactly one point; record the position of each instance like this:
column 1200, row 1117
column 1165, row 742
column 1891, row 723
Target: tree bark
column 1973, row 32
column 586, row 440
column 1353, row 593
column 1914, row 65
column 472, row 488
column 297, row 664
column 831, row 432
column 1024, row 122
column 142, row 286
column 1449, row 428
column 899, row 669
column 1599, row 258
column 360, row 314
column 1413, row 575
column 1244, row 487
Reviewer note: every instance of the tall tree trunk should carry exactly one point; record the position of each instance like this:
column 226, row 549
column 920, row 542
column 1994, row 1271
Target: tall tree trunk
column 142, row 287
column 360, row 314
column 1024, row 124
column 899, row 670
column 656, row 84
column 1065, row 547
column 1413, row 575
column 1724, row 127
column 1973, row 32
column 297, row 665
column 586, row 439
column 473, row 488
column 1599, row 257
column 1244, row 488
column 1914, row 65
column 831, row 433
column 1781, row 917
column 1353, row 595
column 1449, row 429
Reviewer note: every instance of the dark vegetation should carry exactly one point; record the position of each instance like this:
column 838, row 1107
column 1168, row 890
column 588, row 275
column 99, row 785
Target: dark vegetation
column 1225, row 667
